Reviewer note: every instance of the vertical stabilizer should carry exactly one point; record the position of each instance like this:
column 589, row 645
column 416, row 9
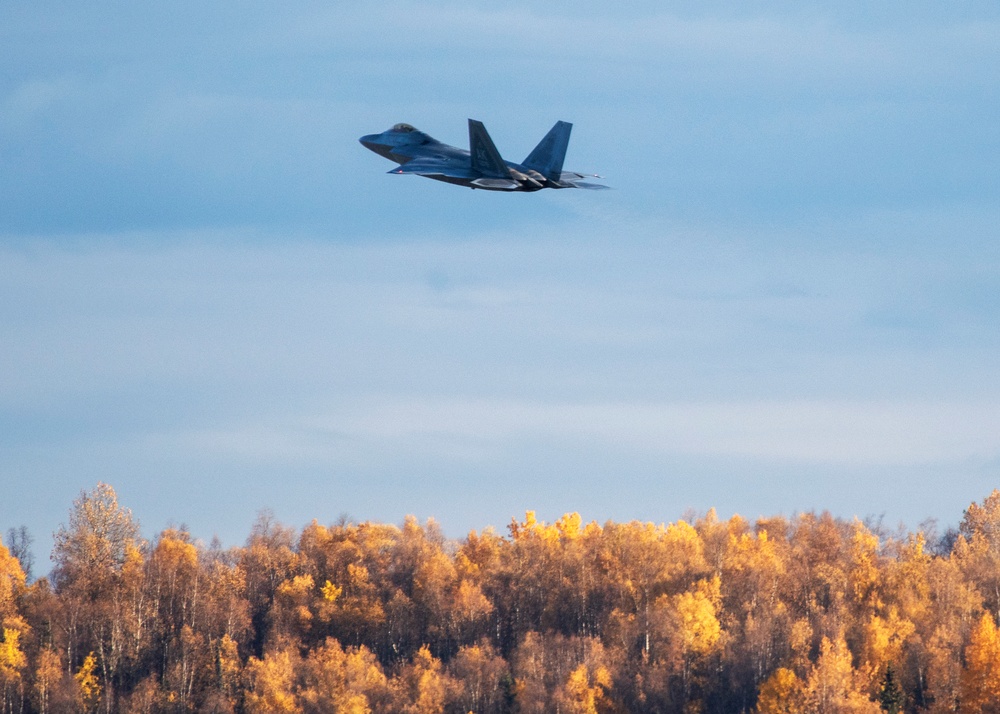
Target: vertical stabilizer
column 547, row 157
column 485, row 157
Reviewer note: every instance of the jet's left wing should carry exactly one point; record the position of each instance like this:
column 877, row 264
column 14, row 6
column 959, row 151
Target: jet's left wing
column 438, row 169
column 434, row 167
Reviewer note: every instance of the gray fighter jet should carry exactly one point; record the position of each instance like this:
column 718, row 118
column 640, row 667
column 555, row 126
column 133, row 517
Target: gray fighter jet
column 481, row 166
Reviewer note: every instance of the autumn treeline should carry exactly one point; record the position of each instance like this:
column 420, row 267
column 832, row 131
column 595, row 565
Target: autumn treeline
column 808, row 614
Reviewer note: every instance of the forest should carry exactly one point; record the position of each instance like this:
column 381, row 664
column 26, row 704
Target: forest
column 808, row 613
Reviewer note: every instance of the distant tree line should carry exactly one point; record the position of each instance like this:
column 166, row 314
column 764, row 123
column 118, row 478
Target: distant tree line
column 805, row 614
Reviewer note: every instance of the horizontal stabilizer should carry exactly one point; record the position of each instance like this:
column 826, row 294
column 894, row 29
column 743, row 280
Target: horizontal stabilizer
column 485, row 157
column 572, row 179
column 587, row 184
column 573, row 176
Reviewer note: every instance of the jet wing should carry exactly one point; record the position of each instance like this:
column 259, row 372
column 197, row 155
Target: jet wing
column 434, row 167
column 438, row 168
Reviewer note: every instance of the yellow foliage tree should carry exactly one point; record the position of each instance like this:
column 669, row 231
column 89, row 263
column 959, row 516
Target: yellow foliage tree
column 88, row 688
column 908, row 579
column 584, row 690
column 291, row 608
column 953, row 609
column 884, row 640
column 468, row 608
column 698, row 631
column 48, row 672
column 980, row 681
column 479, row 553
column 353, row 606
column 570, row 526
column 685, row 549
column 530, row 528
column 782, row 693
column 480, row 673
column 984, row 520
column 696, row 610
column 422, row 687
column 11, row 582
column 343, row 681
column 752, row 609
column 641, row 562
column 227, row 667
column 173, row 570
column 980, row 529
column 833, row 685
column 864, row 572
column 272, row 683
column 753, row 569
column 12, row 661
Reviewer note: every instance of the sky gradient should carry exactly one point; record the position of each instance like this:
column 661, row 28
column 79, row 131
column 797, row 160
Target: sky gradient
column 213, row 298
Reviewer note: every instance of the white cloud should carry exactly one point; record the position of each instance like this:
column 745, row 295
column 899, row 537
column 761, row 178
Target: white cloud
column 854, row 434
column 846, row 433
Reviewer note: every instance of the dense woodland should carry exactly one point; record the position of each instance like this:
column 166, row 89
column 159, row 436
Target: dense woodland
column 803, row 614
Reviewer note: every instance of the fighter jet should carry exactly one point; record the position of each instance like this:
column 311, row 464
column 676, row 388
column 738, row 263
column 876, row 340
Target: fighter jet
column 481, row 166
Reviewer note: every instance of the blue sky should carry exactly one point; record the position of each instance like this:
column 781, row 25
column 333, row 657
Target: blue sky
column 213, row 298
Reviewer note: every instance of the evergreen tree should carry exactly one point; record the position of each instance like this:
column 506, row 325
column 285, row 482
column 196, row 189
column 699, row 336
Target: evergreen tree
column 890, row 699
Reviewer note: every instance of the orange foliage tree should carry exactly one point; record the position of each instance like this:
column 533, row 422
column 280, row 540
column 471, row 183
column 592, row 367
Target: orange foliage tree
column 804, row 614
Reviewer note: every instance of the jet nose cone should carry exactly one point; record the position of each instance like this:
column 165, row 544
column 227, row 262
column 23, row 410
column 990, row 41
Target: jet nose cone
column 376, row 143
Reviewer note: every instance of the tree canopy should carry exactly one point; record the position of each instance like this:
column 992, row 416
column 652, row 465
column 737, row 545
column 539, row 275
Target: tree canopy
column 804, row 614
